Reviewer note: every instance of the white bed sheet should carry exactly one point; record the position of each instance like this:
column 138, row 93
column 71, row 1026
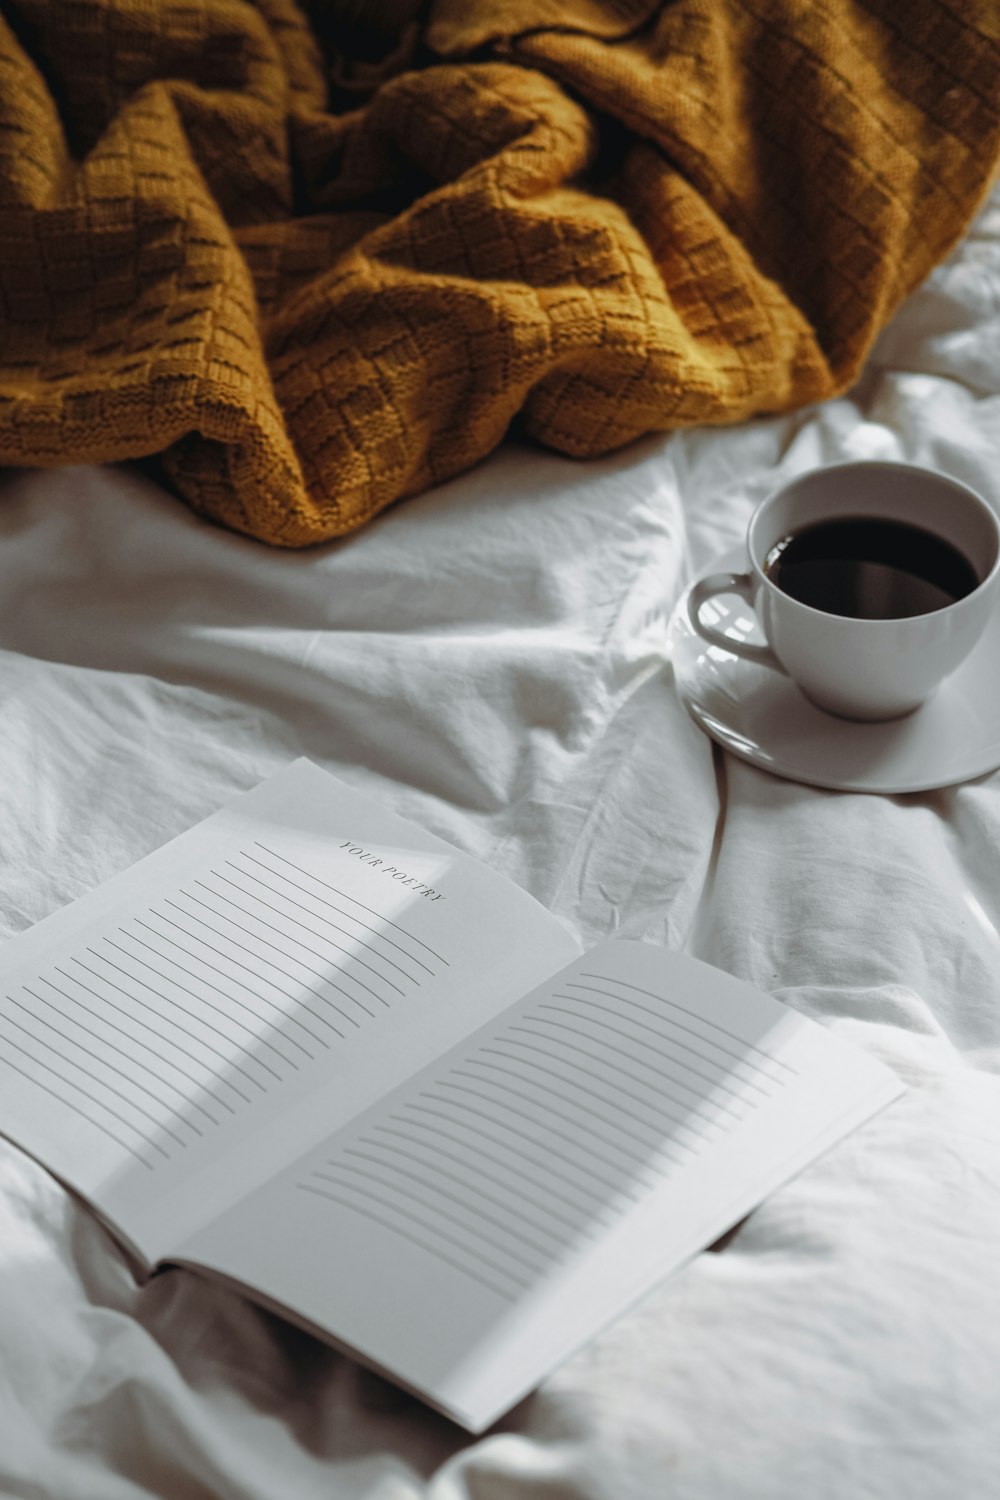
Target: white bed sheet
column 489, row 659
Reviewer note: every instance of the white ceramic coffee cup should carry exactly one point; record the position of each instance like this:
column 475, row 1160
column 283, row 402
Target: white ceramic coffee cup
column 856, row 668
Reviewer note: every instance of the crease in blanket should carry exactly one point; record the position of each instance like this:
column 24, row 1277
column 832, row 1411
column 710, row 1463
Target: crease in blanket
column 316, row 284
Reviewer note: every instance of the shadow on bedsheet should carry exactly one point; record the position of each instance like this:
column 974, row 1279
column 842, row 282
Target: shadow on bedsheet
column 191, row 1340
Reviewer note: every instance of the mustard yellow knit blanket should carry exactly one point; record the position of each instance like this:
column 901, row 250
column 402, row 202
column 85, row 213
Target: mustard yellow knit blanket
column 599, row 217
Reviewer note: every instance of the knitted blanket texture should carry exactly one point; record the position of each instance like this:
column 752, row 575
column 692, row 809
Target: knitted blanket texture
column 315, row 286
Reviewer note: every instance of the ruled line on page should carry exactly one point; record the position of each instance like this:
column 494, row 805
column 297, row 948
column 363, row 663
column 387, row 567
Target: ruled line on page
column 306, row 947
column 111, row 1088
column 389, row 1157
column 349, row 916
column 530, row 1195
column 551, row 1131
column 625, row 1155
column 410, row 1187
column 106, row 1062
column 179, row 1014
column 200, row 979
column 657, row 1122
column 441, row 1238
column 192, row 1035
column 500, row 1120
column 345, row 896
column 457, row 1215
column 185, row 1010
column 145, row 1026
column 71, row 1104
column 473, row 1174
column 723, row 1070
column 665, row 1085
column 382, row 957
column 768, row 1058
column 236, row 963
column 250, row 952
column 471, row 1255
column 130, row 1056
column 652, row 1128
column 433, row 1249
column 547, row 1178
column 88, row 1093
column 351, row 953
column 666, row 1061
column 592, row 1085
column 581, row 1115
column 200, row 999
column 267, row 943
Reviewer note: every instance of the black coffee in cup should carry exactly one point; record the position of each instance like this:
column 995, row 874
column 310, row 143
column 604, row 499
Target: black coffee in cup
column 870, row 569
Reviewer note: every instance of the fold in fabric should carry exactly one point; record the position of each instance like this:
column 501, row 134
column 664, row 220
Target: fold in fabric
column 599, row 219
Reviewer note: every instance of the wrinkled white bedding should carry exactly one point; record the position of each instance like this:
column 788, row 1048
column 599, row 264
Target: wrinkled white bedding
column 489, row 660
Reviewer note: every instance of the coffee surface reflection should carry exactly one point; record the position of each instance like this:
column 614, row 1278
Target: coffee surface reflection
column 870, row 569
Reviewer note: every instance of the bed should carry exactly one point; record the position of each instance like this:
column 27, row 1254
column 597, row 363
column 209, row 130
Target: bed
column 492, row 659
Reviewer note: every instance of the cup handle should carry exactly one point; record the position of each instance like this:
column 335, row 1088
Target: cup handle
column 728, row 583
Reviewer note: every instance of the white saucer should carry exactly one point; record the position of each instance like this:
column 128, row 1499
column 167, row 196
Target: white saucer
column 762, row 717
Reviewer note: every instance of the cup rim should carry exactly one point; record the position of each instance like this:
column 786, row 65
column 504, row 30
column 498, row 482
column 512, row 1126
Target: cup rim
column 871, row 464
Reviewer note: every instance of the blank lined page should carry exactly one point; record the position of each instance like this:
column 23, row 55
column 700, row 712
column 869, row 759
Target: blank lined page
column 500, row 1207
column 198, row 1015
column 520, row 1151
column 172, row 1022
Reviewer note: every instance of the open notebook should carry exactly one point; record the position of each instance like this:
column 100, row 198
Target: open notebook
column 315, row 1051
